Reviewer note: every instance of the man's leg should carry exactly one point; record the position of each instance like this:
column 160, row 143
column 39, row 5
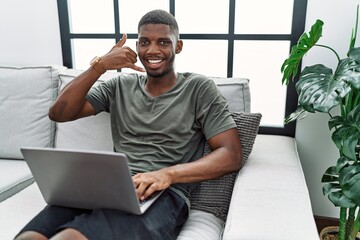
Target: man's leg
column 65, row 234
column 31, row 235
column 69, row 233
column 44, row 225
column 163, row 220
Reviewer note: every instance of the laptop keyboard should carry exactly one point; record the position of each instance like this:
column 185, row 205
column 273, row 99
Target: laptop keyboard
column 142, row 202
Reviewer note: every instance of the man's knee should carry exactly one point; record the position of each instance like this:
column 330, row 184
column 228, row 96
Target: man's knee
column 69, row 233
column 31, row 235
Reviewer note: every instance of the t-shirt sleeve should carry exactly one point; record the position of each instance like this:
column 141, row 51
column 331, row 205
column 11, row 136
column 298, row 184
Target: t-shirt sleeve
column 213, row 113
column 100, row 96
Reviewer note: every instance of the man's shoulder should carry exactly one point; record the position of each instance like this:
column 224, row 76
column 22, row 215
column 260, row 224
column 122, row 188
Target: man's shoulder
column 197, row 80
column 195, row 76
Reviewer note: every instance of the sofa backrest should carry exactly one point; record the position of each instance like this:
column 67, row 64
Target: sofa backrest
column 95, row 133
column 26, row 93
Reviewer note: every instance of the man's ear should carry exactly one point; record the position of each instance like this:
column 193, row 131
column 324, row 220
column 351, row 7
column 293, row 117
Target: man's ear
column 179, row 46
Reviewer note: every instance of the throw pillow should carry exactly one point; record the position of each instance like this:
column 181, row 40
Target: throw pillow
column 76, row 134
column 26, row 93
column 236, row 92
column 214, row 195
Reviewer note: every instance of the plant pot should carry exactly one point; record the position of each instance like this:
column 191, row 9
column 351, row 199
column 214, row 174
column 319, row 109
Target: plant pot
column 332, row 233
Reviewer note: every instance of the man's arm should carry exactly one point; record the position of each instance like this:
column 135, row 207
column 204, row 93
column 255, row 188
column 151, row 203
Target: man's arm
column 71, row 103
column 225, row 157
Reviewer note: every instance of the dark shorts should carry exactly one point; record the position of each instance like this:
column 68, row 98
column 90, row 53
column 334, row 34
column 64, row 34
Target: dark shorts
column 163, row 220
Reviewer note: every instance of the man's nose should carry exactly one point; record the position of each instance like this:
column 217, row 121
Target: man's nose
column 153, row 48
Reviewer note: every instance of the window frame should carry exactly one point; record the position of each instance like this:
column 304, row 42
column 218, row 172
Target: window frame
column 298, row 26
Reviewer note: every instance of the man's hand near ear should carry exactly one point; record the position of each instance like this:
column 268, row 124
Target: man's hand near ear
column 120, row 56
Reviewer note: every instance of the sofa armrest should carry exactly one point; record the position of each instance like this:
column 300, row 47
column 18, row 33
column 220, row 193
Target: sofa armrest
column 270, row 198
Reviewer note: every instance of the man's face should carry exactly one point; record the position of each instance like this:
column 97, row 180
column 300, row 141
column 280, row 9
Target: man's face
column 156, row 49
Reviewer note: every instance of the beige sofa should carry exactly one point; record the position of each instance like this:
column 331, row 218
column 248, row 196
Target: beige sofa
column 268, row 199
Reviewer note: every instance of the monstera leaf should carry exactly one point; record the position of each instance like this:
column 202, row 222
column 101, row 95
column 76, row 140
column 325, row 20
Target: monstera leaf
column 319, row 89
column 291, row 65
column 299, row 114
column 351, row 69
column 333, row 189
column 350, row 182
column 342, row 162
column 347, row 133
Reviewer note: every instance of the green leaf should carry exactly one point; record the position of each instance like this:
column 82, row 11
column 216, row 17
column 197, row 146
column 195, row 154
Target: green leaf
column 291, row 65
column 330, row 175
column 320, row 90
column 349, row 179
column 349, row 68
column 347, row 133
column 343, row 162
column 299, row 113
column 332, row 188
column 340, row 200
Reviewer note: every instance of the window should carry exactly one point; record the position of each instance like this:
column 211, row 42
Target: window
column 238, row 38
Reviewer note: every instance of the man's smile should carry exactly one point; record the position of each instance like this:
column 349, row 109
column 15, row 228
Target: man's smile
column 154, row 63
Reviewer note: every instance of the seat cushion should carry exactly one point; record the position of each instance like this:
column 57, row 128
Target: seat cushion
column 201, row 226
column 214, row 196
column 270, row 197
column 14, row 176
column 18, row 210
column 26, row 93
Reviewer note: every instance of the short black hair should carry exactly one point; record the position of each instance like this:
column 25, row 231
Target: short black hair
column 159, row 16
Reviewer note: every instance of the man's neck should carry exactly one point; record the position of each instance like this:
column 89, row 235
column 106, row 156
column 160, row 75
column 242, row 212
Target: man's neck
column 156, row 86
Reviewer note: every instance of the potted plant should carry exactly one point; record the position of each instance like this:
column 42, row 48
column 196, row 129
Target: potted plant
column 337, row 94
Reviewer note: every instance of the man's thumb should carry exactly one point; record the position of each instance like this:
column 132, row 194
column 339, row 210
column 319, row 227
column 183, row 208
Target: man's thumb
column 122, row 41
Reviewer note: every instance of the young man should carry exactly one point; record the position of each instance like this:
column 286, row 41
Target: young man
column 160, row 120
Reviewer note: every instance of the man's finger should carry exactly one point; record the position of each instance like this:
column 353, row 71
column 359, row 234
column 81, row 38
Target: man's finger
column 134, row 67
column 122, row 41
column 137, row 68
column 141, row 189
column 149, row 191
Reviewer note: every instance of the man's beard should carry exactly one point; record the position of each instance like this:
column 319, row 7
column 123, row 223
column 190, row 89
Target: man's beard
column 158, row 74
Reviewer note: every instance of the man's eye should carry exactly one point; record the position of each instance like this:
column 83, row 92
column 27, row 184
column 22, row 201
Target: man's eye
column 143, row 43
column 164, row 42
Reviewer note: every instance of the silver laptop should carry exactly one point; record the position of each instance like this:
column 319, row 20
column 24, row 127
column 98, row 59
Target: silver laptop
column 85, row 179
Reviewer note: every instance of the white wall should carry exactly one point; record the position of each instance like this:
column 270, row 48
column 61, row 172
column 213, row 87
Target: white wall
column 30, row 35
column 29, row 32
column 317, row 152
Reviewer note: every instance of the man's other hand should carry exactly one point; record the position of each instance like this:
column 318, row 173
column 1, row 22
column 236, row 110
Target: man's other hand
column 150, row 182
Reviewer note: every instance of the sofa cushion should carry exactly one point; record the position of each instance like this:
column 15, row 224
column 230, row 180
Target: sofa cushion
column 14, row 176
column 18, row 210
column 92, row 132
column 270, row 182
column 202, row 226
column 26, row 94
column 236, row 91
column 214, row 195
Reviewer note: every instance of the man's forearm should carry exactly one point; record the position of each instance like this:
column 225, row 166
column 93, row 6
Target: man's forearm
column 214, row 165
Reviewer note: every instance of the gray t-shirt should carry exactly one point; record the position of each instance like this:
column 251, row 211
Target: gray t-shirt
column 157, row 132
